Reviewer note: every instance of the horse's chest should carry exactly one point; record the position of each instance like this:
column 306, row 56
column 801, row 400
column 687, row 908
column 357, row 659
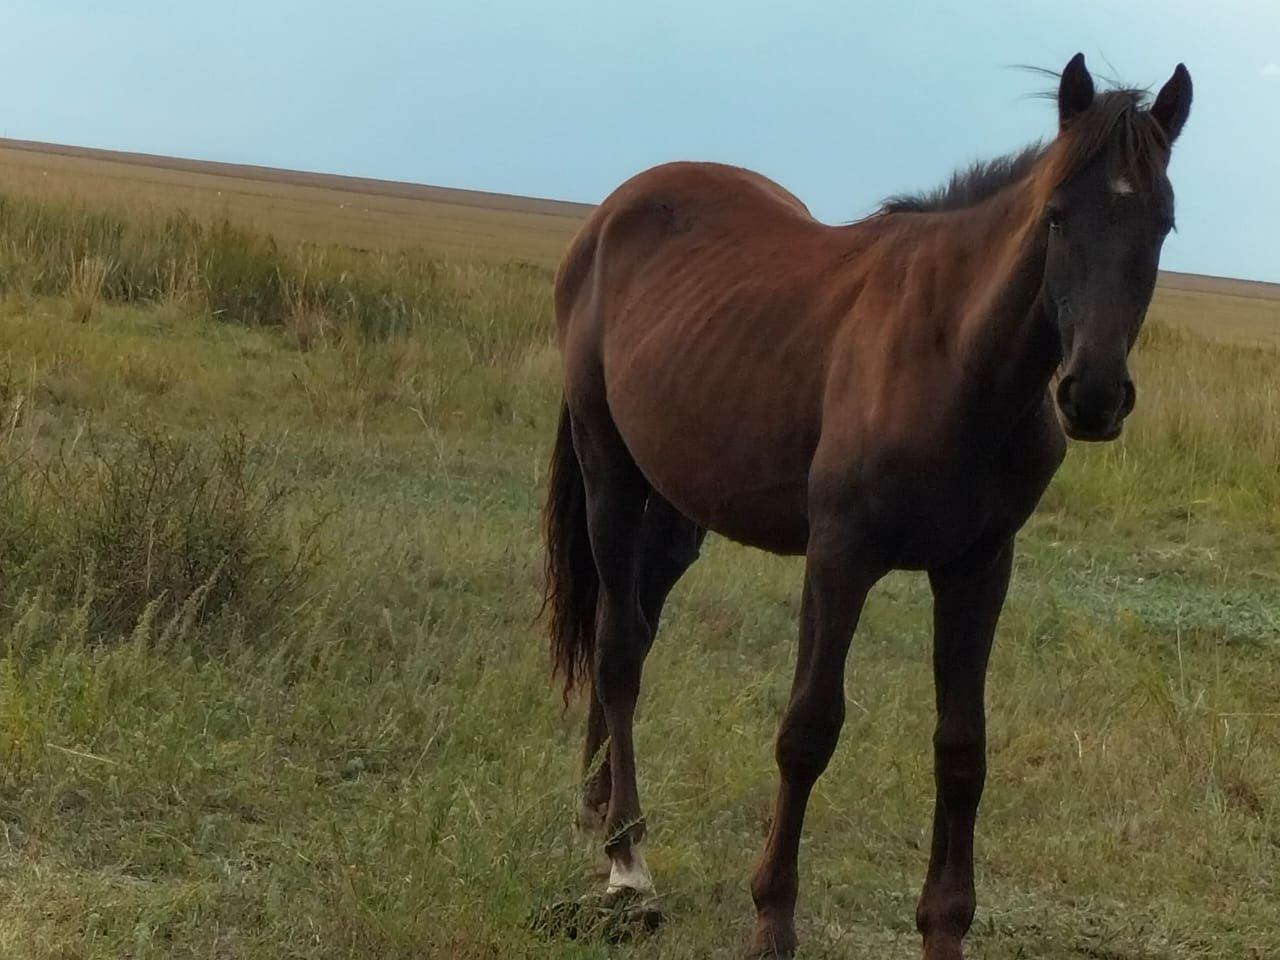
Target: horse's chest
column 926, row 515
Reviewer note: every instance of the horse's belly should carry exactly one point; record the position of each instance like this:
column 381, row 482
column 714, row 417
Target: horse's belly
column 723, row 468
column 717, row 393
column 774, row 519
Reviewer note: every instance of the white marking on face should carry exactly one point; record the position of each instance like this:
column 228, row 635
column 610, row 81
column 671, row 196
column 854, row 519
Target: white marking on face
column 1121, row 187
column 631, row 876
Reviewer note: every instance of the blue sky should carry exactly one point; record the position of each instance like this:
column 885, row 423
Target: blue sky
column 842, row 102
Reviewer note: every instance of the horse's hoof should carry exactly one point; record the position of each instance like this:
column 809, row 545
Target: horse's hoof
column 771, row 940
column 613, row 917
column 943, row 950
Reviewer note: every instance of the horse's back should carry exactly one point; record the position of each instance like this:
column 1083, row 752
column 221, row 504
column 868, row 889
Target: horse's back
column 659, row 216
column 703, row 193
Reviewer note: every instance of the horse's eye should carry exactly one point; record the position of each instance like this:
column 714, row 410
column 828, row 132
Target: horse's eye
column 1056, row 219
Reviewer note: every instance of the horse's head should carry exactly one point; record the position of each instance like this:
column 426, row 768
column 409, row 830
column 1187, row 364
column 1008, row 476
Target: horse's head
column 1108, row 208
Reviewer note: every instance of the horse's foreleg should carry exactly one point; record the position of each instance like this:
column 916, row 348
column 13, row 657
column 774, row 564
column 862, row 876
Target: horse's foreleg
column 837, row 581
column 968, row 597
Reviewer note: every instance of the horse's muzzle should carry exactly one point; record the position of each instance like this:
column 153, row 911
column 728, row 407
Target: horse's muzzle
column 1094, row 410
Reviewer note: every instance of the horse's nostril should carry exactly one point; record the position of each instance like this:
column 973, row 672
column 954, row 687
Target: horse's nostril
column 1066, row 393
column 1130, row 399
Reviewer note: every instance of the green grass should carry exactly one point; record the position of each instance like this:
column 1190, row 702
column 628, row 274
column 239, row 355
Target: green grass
column 378, row 765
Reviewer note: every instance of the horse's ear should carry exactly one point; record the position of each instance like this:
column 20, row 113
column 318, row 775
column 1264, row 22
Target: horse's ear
column 1173, row 103
column 1075, row 90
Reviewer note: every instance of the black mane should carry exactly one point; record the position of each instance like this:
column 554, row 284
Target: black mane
column 1117, row 122
column 970, row 186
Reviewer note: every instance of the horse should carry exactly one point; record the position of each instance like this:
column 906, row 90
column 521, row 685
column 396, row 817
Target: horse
column 891, row 394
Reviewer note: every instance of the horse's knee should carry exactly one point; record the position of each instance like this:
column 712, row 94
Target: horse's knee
column 807, row 739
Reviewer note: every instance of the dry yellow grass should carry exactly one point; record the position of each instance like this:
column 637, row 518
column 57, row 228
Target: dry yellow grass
column 381, row 215
column 1228, row 318
column 309, row 208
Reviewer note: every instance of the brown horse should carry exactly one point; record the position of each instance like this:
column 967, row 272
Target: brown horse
column 873, row 396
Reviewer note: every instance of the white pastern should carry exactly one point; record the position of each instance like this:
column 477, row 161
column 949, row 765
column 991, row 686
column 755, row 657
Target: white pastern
column 631, row 876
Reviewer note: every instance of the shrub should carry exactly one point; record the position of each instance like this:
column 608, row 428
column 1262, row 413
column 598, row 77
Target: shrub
column 151, row 529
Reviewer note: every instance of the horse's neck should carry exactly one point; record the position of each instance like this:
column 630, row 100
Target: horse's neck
column 1009, row 346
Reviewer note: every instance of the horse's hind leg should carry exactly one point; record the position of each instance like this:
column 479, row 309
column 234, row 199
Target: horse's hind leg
column 669, row 543
column 616, row 494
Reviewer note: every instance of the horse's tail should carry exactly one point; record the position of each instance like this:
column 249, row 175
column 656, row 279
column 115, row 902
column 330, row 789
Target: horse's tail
column 572, row 583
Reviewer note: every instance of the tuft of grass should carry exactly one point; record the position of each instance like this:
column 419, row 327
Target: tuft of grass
column 87, row 281
column 150, row 530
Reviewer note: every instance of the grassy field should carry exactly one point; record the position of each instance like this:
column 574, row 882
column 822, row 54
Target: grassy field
column 377, row 215
column 302, row 208
column 270, row 685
